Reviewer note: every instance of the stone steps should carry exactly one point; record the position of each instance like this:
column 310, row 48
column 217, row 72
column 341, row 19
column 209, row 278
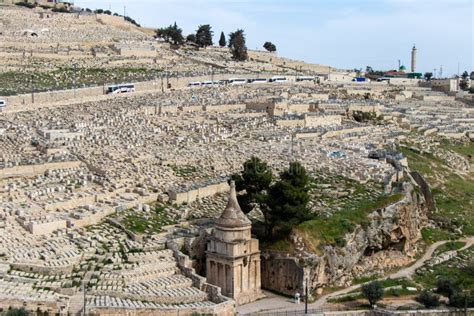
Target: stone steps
column 120, row 303
column 167, row 282
column 150, row 275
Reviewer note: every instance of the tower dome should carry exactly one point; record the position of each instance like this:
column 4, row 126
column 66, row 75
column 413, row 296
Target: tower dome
column 232, row 216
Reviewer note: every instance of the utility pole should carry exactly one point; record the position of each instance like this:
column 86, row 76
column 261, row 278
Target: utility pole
column 84, row 290
column 291, row 146
column 162, row 87
column 74, row 80
column 124, row 12
column 306, row 298
column 32, row 90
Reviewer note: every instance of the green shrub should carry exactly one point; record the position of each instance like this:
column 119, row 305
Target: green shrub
column 17, row 312
column 446, row 287
column 26, row 4
column 461, row 300
column 61, row 10
column 428, row 299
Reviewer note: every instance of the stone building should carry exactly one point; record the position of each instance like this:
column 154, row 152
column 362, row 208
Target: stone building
column 233, row 256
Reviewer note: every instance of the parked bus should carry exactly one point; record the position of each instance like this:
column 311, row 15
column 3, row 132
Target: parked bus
column 258, row 81
column 194, row 84
column 120, row 88
column 224, row 82
column 305, row 78
column 278, row 79
column 207, row 83
column 237, row 81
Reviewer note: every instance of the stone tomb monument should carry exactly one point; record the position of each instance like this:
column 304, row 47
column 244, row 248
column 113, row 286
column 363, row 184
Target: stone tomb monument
column 233, row 256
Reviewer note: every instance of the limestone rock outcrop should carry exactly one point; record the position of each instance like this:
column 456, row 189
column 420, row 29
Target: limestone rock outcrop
column 389, row 241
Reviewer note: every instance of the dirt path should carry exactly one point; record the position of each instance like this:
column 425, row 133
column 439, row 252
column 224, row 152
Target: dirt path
column 403, row 273
column 281, row 303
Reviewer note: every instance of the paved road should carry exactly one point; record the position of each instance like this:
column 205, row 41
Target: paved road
column 280, row 303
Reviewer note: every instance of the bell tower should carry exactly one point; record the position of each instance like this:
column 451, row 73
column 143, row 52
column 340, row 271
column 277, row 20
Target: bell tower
column 233, row 256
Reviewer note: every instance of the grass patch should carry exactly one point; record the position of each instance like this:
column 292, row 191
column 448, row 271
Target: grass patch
column 449, row 246
column 331, row 230
column 392, row 288
column 142, row 223
column 465, row 149
column 431, row 235
column 458, row 269
column 183, row 171
column 284, row 245
column 453, row 193
column 365, row 279
column 20, row 82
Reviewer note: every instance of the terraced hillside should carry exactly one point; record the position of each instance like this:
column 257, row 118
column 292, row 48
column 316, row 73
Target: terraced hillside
column 43, row 50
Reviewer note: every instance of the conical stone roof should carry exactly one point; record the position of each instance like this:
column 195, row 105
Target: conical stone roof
column 232, row 216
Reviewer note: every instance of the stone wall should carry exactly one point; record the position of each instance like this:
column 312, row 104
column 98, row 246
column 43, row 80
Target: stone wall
column 425, row 189
column 189, row 196
column 219, row 309
column 322, row 120
column 34, row 170
column 281, row 273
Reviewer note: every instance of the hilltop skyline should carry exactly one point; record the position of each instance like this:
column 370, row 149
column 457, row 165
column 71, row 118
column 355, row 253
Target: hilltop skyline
column 341, row 33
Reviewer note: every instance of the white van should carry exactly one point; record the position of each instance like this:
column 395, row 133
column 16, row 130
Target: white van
column 237, row 81
column 3, row 104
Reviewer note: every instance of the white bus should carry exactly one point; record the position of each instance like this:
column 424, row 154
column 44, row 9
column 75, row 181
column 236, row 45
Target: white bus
column 278, row 79
column 237, row 81
column 305, row 78
column 120, row 88
column 258, row 81
column 194, row 84
column 3, row 104
column 207, row 83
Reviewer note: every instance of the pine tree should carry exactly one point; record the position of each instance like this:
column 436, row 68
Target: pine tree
column 269, row 46
column 255, row 181
column 237, row 45
column 204, row 35
column 191, row 38
column 288, row 199
column 222, row 40
column 171, row 34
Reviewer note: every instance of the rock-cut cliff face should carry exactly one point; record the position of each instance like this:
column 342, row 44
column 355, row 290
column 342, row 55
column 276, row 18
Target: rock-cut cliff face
column 389, row 241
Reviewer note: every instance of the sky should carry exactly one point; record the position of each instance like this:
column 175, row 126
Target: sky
column 345, row 34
